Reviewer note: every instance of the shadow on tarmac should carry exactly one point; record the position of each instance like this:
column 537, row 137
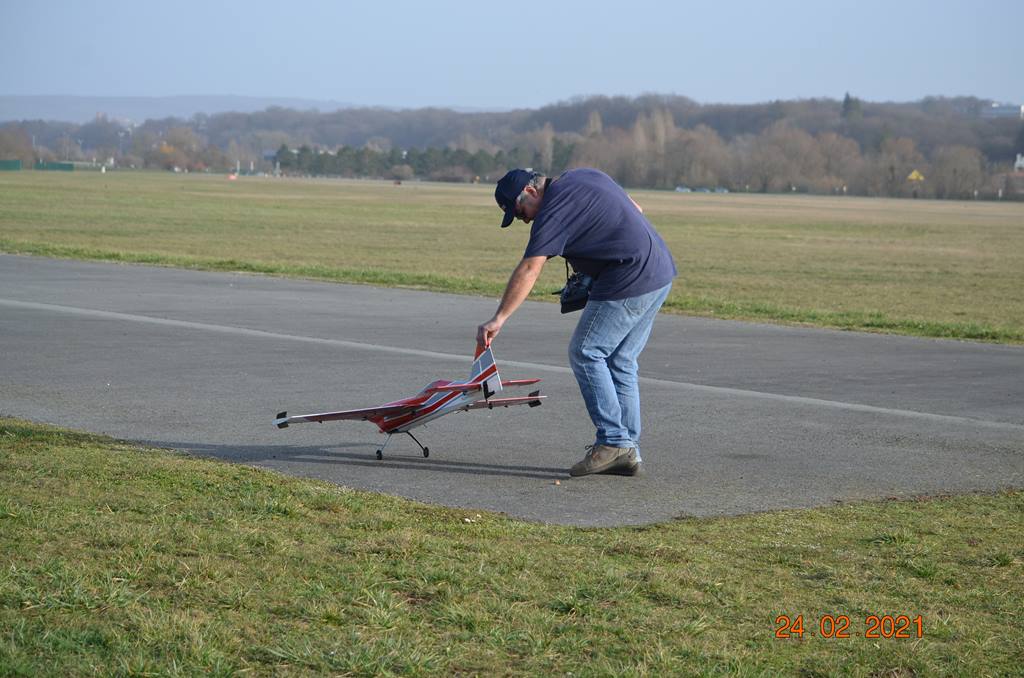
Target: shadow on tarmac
column 265, row 455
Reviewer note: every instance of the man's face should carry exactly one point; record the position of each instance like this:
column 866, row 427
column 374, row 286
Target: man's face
column 527, row 204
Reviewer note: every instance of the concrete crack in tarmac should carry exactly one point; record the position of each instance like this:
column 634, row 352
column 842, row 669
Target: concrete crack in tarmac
column 702, row 388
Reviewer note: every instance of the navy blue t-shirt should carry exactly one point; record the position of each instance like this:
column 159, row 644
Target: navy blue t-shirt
column 588, row 219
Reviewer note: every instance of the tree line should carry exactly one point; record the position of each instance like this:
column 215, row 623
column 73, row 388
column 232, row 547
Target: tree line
column 936, row 147
column 436, row 164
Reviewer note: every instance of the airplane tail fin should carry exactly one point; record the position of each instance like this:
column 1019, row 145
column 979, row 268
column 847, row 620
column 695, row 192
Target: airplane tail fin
column 485, row 370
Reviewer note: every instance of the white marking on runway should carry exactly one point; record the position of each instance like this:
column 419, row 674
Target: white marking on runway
column 700, row 388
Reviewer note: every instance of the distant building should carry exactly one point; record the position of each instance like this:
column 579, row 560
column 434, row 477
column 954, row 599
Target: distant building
column 995, row 110
column 1019, row 165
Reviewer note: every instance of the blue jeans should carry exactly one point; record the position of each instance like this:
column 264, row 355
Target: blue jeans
column 603, row 354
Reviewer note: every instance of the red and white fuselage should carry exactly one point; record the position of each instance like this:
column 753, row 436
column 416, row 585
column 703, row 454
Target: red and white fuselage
column 442, row 397
column 436, row 400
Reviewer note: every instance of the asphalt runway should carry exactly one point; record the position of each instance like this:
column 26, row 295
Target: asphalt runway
column 738, row 417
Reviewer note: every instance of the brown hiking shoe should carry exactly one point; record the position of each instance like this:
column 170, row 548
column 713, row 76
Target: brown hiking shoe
column 605, row 459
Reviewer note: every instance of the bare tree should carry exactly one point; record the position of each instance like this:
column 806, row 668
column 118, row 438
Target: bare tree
column 662, row 129
column 640, row 155
column 781, row 158
column 761, row 164
column 885, row 172
column 543, row 142
column 16, row 144
column 842, row 159
column 804, row 166
column 698, row 157
column 956, row 171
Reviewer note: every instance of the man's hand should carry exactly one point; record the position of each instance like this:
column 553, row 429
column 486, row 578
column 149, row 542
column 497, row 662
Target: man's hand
column 487, row 332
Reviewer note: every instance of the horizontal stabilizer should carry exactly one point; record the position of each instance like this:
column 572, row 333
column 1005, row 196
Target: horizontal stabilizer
column 519, row 382
column 533, row 400
column 463, row 388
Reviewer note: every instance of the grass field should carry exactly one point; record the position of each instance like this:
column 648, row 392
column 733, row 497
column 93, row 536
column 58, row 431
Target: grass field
column 931, row 268
column 118, row 560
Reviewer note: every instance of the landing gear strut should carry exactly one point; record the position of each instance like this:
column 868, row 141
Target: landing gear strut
column 426, row 450
column 380, row 452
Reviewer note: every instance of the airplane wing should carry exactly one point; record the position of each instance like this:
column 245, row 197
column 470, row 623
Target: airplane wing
column 533, row 400
column 283, row 419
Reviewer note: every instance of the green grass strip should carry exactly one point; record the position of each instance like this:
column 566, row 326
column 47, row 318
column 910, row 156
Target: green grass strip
column 846, row 320
column 678, row 303
column 120, row 560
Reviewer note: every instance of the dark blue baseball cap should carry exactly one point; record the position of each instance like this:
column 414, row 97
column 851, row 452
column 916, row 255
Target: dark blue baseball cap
column 508, row 190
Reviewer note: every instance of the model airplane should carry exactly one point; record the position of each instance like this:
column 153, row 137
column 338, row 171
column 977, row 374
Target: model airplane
column 436, row 400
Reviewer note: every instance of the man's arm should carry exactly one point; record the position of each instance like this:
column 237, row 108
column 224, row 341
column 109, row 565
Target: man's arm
column 519, row 286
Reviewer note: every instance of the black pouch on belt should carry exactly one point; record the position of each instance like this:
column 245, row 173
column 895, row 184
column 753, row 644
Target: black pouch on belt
column 576, row 291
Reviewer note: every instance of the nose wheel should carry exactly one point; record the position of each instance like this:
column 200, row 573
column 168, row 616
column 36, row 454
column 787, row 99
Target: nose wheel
column 380, row 452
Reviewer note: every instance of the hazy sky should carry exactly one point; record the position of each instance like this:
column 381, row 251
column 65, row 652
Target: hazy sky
column 499, row 55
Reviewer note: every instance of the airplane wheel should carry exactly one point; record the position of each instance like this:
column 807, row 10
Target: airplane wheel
column 426, row 451
column 380, row 455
